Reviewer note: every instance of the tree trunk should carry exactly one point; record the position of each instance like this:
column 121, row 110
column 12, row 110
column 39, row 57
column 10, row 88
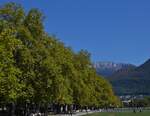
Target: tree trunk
column 12, row 109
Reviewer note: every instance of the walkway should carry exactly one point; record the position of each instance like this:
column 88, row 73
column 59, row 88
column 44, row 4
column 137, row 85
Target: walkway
column 77, row 114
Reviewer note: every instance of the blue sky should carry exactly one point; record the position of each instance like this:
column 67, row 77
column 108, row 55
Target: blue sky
column 111, row 30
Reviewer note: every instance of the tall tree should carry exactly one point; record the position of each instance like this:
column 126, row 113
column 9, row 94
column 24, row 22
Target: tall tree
column 37, row 68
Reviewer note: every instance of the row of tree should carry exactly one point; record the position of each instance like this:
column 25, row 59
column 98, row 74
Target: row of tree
column 142, row 102
column 37, row 68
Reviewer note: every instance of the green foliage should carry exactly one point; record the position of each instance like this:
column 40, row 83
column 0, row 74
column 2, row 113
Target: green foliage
column 143, row 102
column 36, row 67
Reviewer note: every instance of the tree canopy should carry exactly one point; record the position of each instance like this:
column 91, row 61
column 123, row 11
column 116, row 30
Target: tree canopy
column 37, row 67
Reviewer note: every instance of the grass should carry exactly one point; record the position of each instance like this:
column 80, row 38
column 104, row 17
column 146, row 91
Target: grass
column 144, row 113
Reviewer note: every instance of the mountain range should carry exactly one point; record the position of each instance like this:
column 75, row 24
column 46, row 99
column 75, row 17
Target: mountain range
column 127, row 79
column 106, row 69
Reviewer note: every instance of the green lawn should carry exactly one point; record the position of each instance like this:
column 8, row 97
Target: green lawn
column 146, row 113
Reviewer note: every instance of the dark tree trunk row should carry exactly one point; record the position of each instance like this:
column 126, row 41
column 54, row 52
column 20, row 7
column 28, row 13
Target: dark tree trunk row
column 27, row 109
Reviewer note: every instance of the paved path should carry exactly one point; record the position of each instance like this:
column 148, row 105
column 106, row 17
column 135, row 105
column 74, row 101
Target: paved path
column 77, row 114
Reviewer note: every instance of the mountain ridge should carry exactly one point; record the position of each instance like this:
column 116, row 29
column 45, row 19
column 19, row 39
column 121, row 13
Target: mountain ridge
column 132, row 81
column 107, row 68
